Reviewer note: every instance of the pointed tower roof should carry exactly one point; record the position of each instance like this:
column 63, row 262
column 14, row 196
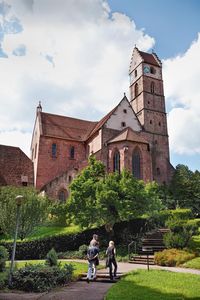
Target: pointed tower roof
column 149, row 58
column 128, row 135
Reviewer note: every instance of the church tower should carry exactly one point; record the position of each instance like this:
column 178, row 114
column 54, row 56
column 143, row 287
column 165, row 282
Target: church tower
column 148, row 102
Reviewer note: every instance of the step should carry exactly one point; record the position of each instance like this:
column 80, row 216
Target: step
column 101, row 275
column 139, row 262
column 102, row 280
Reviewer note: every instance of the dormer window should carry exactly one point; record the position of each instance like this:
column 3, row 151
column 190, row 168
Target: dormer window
column 123, row 124
column 125, row 111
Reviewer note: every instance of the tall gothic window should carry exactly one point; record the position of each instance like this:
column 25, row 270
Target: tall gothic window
column 72, row 152
column 136, row 90
column 136, row 164
column 116, row 162
column 152, row 87
column 54, row 150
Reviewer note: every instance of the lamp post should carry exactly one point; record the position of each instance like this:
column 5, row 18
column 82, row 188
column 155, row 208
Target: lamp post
column 18, row 200
column 147, row 249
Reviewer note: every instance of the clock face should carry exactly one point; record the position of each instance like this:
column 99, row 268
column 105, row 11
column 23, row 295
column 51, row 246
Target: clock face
column 146, row 69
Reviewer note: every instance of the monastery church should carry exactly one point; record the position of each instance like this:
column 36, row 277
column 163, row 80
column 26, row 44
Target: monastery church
column 133, row 135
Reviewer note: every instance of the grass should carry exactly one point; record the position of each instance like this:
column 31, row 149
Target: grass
column 46, row 231
column 193, row 263
column 156, row 285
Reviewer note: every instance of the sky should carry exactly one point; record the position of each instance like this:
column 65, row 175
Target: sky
column 74, row 55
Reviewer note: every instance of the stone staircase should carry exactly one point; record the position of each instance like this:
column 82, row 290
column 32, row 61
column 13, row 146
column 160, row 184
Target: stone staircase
column 102, row 276
column 151, row 243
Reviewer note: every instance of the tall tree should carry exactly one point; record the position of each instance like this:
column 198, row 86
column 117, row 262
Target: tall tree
column 185, row 188
column 33, row 210
column 98, row 199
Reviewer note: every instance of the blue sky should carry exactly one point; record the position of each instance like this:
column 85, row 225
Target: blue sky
column 74, row 55
column 173, row 23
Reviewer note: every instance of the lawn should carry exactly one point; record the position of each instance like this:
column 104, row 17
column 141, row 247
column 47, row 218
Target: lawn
column 193, row 263
column 156, row 285
column 46, row 231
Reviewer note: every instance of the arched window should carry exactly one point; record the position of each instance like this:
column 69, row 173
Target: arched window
column 152, row 87
column 116, row 162
column 62, row 195
column 136, row 164
column 136, row 90
column 53, row 150
column 72, row 152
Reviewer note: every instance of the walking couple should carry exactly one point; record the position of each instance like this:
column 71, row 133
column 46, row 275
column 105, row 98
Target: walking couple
column 93, row 259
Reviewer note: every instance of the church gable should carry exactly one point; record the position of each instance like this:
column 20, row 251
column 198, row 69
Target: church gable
column 123, row 116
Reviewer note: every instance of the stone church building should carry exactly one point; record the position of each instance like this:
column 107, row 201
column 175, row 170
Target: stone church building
column 133, row 135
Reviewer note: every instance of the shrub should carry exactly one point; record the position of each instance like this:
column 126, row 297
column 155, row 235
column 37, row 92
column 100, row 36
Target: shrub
column 58, row 213
column 52, row 258
column 159, row 219
column 172, row 257
column 83, row 249
column 41, row 278
column 3, row 258
column 181, row 232
column 174, row 240
column 3, row 280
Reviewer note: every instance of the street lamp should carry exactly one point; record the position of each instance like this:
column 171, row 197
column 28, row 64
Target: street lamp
column 18, row 200
column 147, row 250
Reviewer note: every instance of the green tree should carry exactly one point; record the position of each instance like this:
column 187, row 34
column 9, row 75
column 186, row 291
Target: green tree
column 185, row 188
column 33, row 210
column 98, row 199
column 82, row 201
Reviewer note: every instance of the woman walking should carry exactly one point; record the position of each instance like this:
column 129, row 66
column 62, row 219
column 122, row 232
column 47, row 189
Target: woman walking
column 111, row 260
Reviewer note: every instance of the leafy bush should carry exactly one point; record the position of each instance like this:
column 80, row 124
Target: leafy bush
column 52, row 258
column 3, row 258
column 159, row 219
column 3, row 280
column 57, row 213
column 83, row 249
column 41, row 278
column 181, row 232
column 172, row 257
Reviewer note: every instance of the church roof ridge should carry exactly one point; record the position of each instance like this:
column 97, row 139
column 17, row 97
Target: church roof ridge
column 62, row 116
column 130, row 135
column 106, row 117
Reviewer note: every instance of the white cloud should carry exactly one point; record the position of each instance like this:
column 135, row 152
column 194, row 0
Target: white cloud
column 182, row 90
column 77, row 57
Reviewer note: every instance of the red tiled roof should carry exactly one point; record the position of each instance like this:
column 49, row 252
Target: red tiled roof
column 149, row 58
column 66, row 127
column 102, row 121
column 128, row 135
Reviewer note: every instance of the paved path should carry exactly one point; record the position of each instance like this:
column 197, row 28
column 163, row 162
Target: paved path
column 81, row 290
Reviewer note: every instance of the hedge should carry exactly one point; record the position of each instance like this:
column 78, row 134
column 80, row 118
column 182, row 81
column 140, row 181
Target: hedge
column 38, row 249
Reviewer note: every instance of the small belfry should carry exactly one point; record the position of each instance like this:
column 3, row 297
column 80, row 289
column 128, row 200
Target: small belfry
column 132, row 136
